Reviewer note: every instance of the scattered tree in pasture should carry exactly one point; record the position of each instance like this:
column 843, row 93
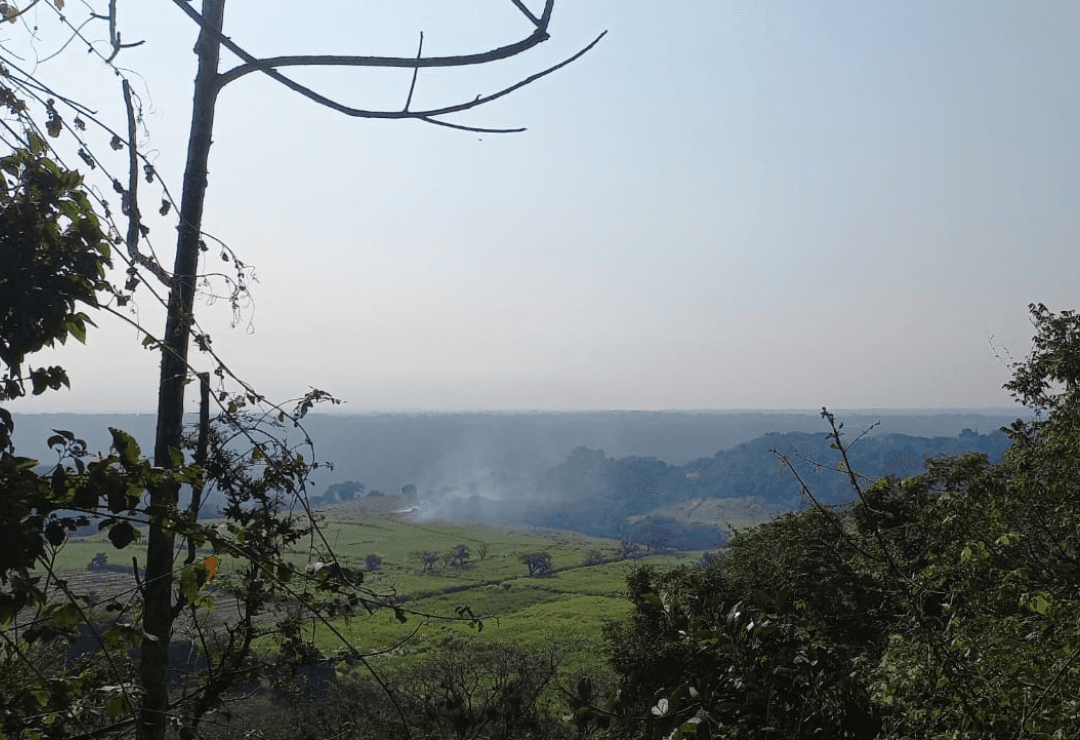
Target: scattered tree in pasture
column 459, row 556
column 346, row 491
column 98, row 562
column 427, row 558
column 595, row 557
column 539, row 564
column 628, row 549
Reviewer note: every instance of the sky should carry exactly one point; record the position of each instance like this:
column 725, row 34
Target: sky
column 726, row 204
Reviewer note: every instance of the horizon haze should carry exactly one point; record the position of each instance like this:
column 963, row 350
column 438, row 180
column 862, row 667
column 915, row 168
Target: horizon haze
column 722, row 205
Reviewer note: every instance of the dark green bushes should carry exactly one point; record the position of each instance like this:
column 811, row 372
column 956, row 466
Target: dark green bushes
column 941, row 606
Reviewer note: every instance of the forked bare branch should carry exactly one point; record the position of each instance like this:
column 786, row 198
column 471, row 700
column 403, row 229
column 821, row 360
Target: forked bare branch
column 331, row 60
column 269, row 66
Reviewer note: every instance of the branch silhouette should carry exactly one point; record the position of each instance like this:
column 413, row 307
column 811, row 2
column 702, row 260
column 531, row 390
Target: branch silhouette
column 269, row 66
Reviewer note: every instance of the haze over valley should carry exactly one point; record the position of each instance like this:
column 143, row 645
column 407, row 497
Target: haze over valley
column 677, row 478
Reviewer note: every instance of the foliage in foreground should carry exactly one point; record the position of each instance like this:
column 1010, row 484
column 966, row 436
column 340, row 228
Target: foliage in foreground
column 945, row 605
column 55, row 258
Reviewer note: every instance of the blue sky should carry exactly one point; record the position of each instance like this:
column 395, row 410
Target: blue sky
column 731, row 204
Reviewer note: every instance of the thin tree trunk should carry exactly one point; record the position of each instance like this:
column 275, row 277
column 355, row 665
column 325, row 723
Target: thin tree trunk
column 157, row 594
column 201, row 452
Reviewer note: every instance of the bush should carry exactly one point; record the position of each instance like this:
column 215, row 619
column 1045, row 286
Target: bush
column 98, row 562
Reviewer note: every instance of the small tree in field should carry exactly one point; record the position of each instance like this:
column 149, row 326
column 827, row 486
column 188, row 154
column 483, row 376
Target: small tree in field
column 98, row 562
column 460, row 556
column 428, row 559
column 539, row 564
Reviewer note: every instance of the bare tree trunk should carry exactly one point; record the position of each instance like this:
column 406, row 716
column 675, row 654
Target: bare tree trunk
column 157, row 595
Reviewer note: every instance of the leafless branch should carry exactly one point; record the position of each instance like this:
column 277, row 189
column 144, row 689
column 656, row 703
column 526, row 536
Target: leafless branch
column 40, row 92
column 268, row 67
column 475, row 129
column 131, row 197
column 114, row 36
column 330, row 60
column 76, row 34
column 528, row 13
column 415, row 72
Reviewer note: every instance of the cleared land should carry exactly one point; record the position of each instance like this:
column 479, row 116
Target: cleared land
column 569, row 605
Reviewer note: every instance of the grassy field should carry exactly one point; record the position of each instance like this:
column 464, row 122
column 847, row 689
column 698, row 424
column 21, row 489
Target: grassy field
column 564, row 611
column 570, row 604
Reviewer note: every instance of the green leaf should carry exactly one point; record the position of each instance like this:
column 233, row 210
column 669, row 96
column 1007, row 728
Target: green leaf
column 122, row 534
column 39, row 379
column 1040, row 605
column 76, row 328
column 66, row 615
column 192, row 578
column 116, row 702
column 55, row 534
column 689, row 727
column 125, row 446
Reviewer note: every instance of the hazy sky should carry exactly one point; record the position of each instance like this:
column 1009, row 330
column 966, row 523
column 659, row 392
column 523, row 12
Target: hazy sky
column 725, row 204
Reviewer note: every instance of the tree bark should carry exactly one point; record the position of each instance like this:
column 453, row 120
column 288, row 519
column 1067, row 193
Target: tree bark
column 157, row 593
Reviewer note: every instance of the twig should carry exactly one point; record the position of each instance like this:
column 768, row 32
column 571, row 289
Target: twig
column 415, row 72
column 528, row 13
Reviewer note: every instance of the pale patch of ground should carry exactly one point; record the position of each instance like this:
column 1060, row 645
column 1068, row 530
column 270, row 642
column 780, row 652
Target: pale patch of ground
column 744, row 511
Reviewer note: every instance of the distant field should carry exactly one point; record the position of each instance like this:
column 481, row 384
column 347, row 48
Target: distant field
column 565, row 611
column 571, row 604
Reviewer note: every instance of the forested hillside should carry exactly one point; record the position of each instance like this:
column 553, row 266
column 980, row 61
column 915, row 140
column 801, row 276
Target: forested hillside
column 596, row 494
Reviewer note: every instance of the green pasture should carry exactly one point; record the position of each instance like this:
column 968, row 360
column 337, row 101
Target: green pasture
column 77, row 552
column 568, row 606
